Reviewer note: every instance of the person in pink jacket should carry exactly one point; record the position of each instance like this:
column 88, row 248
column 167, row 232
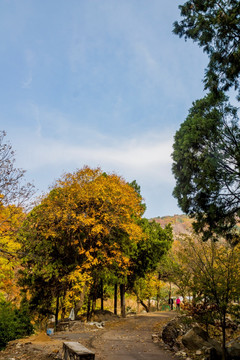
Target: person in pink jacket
column 178, row 302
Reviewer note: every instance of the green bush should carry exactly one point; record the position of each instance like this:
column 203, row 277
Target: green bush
column 14, row 323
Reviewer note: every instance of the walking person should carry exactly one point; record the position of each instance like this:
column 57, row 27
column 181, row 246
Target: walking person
column 178, row 302
column 170, row 302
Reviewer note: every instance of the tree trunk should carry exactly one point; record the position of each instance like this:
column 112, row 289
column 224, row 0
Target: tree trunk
column 123, row 306
column 138, row 304
column 115, row 298
column 149, row 304
column 80, row 302
column 193, row 298
column 158, row 292
column 158, row 298
column 63, row 313
column 62, row 306
column 102, row 307
column 89, row 315
column 56, row 312
column 224, row 356
column 94, row 305
column 144, row 305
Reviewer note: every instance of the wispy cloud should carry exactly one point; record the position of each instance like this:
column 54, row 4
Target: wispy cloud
column 145, row 158
column 27, row 83
column 145, row 56
column 55, row 140
column 30, row 62
column 139, row 154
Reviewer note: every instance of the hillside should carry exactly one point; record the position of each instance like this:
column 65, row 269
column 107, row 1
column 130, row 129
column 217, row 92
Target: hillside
column 181, row 223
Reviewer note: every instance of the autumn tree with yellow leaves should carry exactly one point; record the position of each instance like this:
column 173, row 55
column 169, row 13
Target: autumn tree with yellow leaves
column 11, row 219
column 86, row 224
column 15, row 195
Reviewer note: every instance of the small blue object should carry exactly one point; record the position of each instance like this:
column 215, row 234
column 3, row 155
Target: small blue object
column 50, row 331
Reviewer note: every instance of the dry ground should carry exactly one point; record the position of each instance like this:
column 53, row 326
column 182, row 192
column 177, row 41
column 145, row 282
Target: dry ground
column 120, row 339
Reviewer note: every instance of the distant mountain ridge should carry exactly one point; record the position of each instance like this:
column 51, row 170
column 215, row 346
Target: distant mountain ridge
column 181, row 224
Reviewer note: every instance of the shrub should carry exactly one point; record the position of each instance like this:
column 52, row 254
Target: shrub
column 14, row 323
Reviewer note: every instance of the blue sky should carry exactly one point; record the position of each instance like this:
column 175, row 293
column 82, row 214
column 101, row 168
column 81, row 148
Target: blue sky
column 99, row 83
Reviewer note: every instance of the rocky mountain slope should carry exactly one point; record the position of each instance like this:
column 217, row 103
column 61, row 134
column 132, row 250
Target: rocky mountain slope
column 181, row 224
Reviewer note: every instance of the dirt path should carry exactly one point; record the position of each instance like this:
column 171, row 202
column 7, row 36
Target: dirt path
column 132, row 340
column 123, row 339
column 128, row 339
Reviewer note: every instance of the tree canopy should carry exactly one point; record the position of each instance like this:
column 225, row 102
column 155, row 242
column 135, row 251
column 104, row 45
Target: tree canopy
column 150, row 249
column 209, row 272
column 87, row 222
column 206, row 148
column 15, row 196
column 206, row 164
column 215, row 26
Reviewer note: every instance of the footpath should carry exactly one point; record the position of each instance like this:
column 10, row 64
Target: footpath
column 121, row 339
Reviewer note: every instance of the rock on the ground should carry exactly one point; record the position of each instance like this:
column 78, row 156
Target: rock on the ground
column 233, row 349
column 155, row 338
column 197, row 338
column 104, row 315
column 175, row 328
column 99, row 325
column 181, row 354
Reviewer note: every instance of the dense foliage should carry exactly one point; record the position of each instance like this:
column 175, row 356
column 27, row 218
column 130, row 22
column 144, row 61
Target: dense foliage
column 150, row 249
column 15, row 196
column 208, row 272
column 14, row 322
column 206, row 148
column 206, row 164
column 87, row 225
column 215, row 26
column 142, row 278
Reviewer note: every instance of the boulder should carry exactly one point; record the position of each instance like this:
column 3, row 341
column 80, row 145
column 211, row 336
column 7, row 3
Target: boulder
column 170, row 334
column 233, row 349
column 197, row 338
column 173, row 330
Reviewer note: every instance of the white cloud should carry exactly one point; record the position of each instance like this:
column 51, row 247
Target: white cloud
column 146, row 155
column 145, row 158
column 56, row 142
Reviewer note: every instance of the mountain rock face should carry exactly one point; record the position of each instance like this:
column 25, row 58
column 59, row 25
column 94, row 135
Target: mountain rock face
column 181, row 224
